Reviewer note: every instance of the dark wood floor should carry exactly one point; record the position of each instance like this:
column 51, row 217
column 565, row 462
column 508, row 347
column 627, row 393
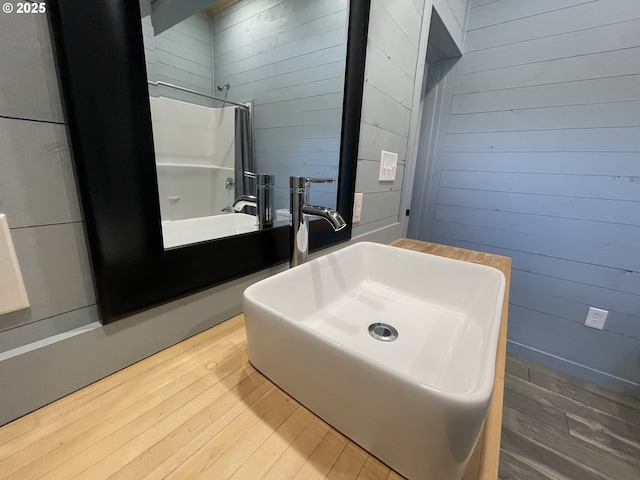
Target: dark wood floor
column 559, row 427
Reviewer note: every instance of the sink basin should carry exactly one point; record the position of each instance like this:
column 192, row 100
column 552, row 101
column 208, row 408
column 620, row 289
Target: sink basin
column 394, row 348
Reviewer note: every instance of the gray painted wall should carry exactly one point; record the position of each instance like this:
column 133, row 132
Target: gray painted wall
column 66, row 349
column 37, row 188
column 288, row 59
column 181, row 55
column 535, row 154
column 388, row 110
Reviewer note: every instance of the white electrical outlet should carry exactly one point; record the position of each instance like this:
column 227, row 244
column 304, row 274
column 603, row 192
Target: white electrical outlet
column 357, row 207
column 388, row 166
column 596, row 318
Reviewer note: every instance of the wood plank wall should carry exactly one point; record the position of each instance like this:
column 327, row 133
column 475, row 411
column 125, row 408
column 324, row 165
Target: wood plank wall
column 537, row 157
column 288, row 59
column 392, row 60
column 181, row 55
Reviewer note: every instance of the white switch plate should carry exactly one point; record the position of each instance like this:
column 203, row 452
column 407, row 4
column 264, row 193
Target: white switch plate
column 13, row 295
column 596, row 318
column 388, row 166
column 357, row 207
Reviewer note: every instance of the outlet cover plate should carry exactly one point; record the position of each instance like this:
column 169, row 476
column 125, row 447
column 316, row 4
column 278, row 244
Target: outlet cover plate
column 388, row 166
column 596, row 318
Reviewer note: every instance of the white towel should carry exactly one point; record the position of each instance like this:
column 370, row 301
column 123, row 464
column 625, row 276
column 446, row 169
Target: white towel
column 13, row 295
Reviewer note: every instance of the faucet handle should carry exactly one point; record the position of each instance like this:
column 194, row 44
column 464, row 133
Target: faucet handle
column 321, row 180
column 302, row 183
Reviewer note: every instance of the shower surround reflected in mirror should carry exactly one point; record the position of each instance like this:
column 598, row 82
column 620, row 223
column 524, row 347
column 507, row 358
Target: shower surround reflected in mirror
column 252, row 86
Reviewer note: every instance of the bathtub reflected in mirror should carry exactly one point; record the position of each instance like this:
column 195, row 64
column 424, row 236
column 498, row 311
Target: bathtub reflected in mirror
column 246, row 87
column 200, row 229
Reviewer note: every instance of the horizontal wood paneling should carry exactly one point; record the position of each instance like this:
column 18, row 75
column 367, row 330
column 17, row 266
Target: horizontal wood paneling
column 599, row 115
column 390, row 72
column 37, row 189
column 608, row 187
column 238, row 12
column 583, row 92
column 540, row 161
column 378, row 206
column 563, row 282
column 255, row 85
column 383, row 111
column 360, row 229
column 241, row 38
column 55, row 268
column 587, row 15
column 509, row 10
column 299, row 65
column 382, row 73
column 580, row 251
column 374, row 139
column 390, row 38
column 587, row 163
column 605, row 38
column 405, row 15
column 287, row 58
column 555, row 335
column 479, row 3
column 268, row 54
column 37, row 181
column 368, row 174
column 604, row 233
column 597, row 209
column 181, row 55
column 621, row 139
column 622, row 323
column 570, row 69
column 29, row 82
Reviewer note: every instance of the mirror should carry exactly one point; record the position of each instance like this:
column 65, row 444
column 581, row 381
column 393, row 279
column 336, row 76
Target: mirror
column 100, row 59
column 239, row 87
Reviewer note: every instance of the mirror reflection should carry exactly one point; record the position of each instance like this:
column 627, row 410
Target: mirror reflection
column 243, row 95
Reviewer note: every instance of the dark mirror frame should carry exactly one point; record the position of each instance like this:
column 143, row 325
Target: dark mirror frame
column 99, row 52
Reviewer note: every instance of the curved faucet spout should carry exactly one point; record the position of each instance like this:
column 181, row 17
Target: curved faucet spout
column 329, row 214
column 300, row 212
column 244, row 201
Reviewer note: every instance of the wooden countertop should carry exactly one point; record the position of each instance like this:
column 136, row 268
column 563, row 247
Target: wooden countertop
column 200, row 410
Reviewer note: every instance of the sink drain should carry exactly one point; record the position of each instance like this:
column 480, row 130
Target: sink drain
column 383, row 332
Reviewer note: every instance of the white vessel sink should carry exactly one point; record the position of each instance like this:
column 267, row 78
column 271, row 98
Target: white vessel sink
column 417, row 402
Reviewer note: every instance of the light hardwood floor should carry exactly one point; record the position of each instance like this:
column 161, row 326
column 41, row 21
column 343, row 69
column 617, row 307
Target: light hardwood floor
column 559, row 427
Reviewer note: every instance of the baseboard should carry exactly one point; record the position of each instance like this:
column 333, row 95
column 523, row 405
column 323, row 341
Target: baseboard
column 572, row 368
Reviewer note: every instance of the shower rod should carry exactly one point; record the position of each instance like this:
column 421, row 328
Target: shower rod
column 165, row 84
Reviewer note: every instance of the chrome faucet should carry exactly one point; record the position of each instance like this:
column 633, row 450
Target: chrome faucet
column 244, row 201
column 262, row 202
column 300, row 212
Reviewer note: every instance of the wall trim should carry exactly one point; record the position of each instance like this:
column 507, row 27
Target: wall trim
column 572, row 368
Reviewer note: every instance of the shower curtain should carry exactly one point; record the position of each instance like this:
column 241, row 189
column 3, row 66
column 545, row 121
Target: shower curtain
column 244, row 153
